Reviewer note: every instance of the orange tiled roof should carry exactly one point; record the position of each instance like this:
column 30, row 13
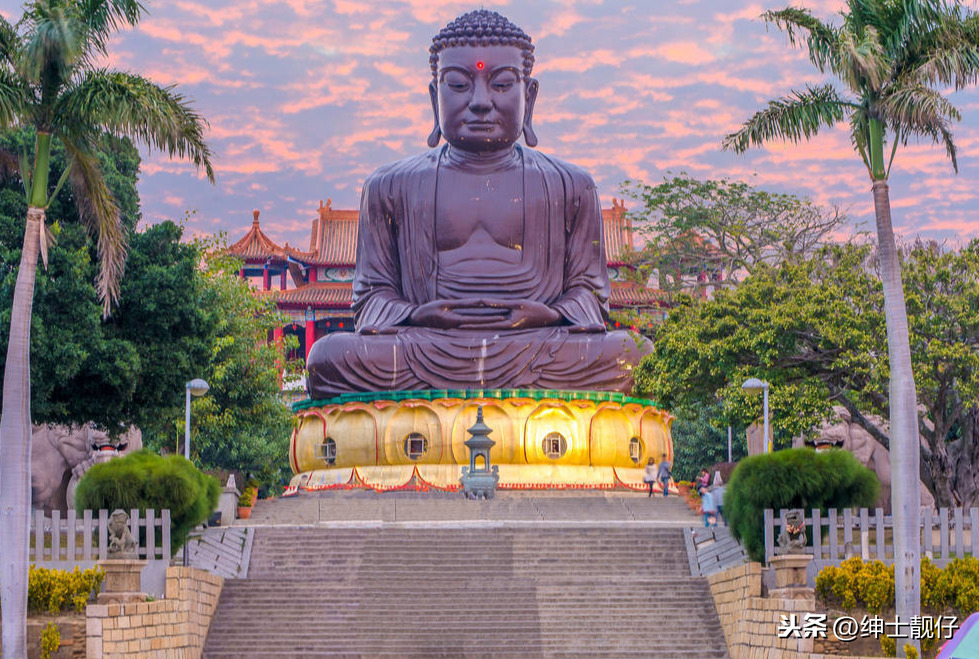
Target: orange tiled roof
column 256, row 245
column 323, row 294
column 631, row 294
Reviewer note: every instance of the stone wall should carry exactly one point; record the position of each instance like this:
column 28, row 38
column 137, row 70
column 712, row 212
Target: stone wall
column 750, row 621
column 171, row 628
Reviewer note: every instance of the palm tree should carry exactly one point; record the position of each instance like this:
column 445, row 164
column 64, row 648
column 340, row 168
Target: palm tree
column 49, row 81
column 889, row 56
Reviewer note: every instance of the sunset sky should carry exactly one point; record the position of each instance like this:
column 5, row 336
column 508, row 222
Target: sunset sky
column 306, row 97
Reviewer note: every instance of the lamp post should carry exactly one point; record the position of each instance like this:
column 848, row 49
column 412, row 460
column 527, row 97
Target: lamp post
column 754, row 386
column 195, row 387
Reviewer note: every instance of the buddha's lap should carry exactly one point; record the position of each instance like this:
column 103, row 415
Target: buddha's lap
column 617, row 346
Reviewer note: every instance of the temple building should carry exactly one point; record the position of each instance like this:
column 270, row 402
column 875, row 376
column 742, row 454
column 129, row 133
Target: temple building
column 314, row 286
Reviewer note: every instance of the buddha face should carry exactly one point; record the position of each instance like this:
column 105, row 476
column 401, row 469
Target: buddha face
column 481, row 98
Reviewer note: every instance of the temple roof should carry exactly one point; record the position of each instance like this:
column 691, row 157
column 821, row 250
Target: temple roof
column 333, row 238
column 318, row 294
column 255, row 245
column 631, row 294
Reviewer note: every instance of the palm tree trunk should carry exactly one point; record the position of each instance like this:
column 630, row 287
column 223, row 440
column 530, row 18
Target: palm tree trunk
column 15, row 449
column 905, row 442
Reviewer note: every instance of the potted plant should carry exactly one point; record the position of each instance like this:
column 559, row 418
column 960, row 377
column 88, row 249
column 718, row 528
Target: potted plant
column 245, row 503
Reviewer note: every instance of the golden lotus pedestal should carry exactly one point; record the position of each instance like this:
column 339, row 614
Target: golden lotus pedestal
column 415, row 439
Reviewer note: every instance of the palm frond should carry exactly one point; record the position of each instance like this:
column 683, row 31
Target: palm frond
column 916, row 18
column 858, row 135
column 916, row 106
column 919, row 110
column 9, row 43
column 862, row 63
column 798, row 23
column 795, row 117
column 53, row 46
column 130, row 105
column 100, row 214
column 12, row 98
column 103, row 17
column 957, row 65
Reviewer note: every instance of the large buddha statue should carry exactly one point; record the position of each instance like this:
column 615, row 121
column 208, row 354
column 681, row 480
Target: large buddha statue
column 480, row 263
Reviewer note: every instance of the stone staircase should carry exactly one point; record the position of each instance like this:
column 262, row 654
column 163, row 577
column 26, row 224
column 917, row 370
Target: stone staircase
column 453, row 590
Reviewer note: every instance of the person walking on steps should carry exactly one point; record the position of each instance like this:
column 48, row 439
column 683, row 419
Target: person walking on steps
column 717, row 496
column 649, row 475
column 663, row 475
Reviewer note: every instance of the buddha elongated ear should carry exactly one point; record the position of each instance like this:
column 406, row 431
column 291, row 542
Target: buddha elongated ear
column 436, row 134
column 529, row 136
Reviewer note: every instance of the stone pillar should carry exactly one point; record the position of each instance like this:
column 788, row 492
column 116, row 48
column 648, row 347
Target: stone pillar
column 228, row 501
column 122, row 581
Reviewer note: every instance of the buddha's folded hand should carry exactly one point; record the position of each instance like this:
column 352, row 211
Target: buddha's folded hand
column 455, row 314
column 518, row 314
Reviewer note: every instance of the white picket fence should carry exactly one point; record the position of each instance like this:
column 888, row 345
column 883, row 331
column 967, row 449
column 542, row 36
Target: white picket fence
column 84, row 539
column 952, row 533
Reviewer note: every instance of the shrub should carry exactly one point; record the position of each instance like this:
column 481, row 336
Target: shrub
column 247, row 497
column 793, row 478
column 147, row 481
column 50, row 640
column 54, row 591
column 872, row 584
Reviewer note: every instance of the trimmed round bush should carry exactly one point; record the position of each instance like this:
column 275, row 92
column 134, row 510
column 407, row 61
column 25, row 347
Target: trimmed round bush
column 793, row 478
column 147, row 481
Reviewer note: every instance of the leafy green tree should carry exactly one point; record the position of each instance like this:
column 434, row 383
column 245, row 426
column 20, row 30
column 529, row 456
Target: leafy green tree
column 721, row 229
column 893, row 58
column 242, row 423
column 793, row 478
column 48, row 81
column 813, row 329
column 700, row 439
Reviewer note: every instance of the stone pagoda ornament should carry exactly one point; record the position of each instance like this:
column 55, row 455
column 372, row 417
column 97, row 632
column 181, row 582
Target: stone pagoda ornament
column 480, row 482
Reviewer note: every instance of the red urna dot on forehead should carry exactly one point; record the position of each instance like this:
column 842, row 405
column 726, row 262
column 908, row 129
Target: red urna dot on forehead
column 479, row 65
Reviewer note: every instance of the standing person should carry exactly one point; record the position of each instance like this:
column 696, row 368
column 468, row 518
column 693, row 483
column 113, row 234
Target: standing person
column 707, row 506
column 703, row 482
column 717, row 495
column 649, row 476
column 663, row 475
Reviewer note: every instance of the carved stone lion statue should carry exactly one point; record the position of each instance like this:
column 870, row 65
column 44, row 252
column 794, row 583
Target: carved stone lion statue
column 121, row 542
column 792, row 539
column 60, row 456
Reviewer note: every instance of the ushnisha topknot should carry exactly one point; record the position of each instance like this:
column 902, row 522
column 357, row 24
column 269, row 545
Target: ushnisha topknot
column 482, row 27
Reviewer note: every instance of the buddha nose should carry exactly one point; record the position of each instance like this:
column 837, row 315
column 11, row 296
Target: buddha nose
column 480, row 103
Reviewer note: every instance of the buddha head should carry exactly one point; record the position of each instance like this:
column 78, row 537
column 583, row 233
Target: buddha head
column 482, row 93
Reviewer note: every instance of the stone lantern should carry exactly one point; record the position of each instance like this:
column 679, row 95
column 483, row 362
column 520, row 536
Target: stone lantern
column 480, row 482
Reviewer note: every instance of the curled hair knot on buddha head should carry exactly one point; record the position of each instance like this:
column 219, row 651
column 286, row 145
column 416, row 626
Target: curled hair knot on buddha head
column 482, row 27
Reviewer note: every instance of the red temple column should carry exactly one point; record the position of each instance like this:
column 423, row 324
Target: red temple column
column 310, row 335
column 282, row 281
column 312, row 273
column 277, row 335
column 241, row 273
column 266, row 278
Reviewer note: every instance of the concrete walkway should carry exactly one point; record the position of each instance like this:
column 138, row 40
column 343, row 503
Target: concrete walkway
column 595, row 507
